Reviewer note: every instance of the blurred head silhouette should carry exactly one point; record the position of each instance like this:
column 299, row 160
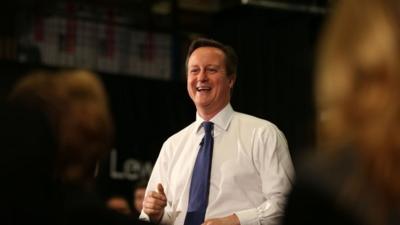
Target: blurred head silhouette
column 54, row 128
column 138, row 195
column 353, row 179
column 75, row 105
column 119, row 204
column 358, row 89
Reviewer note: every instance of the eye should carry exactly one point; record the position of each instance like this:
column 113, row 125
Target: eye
column 194, row 70
column 211, row 70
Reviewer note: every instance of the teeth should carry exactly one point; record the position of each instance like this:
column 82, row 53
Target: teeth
column 203, row 88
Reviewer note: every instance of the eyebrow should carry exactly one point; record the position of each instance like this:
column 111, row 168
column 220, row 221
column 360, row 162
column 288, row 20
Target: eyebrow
column 205, row 65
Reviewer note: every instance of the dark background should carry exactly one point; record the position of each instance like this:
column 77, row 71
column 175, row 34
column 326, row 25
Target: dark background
column 276, row 47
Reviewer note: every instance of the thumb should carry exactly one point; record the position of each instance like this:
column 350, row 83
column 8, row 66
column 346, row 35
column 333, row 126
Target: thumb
column 160, row 189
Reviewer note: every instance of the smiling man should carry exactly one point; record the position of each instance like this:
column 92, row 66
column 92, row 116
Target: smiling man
column 224, row 168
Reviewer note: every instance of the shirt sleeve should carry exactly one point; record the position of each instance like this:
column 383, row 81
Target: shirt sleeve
column 273, row 162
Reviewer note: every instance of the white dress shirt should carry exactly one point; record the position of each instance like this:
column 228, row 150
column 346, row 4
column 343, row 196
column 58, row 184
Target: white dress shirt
column 251, row 171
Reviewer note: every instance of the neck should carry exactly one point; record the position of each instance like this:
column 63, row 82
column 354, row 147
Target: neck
column 208, row 114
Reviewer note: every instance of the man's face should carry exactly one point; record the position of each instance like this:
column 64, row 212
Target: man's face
column 207, row 82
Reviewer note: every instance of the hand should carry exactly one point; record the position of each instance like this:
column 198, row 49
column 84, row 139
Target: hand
column 154, row 204
column 229, row 220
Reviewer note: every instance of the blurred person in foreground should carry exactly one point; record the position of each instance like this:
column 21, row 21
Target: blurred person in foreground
column 248, row 172
column 119, row 204
column 354, row 177
column 54, row 130
column 139, row 191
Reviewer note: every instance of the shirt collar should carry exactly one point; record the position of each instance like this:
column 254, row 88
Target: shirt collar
column 221, row 120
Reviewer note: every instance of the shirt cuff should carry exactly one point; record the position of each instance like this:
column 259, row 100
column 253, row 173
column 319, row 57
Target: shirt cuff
column 164, row 219
column 248, row 217
column 143, row 216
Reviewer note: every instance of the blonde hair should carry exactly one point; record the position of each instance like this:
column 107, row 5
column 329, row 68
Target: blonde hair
column 75, row 103
column 358, row 88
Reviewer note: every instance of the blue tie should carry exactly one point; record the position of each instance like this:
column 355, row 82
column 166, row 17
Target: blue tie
column 200, row 184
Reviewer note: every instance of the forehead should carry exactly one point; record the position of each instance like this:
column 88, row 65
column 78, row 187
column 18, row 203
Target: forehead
column 206, row 55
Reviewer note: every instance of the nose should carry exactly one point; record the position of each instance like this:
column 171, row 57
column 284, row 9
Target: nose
column 203, row 75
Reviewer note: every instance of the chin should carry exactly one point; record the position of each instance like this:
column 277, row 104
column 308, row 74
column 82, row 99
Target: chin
column 202, row 104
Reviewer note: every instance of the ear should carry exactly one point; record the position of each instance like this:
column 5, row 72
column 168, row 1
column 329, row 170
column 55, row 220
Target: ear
column 232, row 80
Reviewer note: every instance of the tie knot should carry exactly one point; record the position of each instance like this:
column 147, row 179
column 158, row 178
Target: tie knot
column 208, row 126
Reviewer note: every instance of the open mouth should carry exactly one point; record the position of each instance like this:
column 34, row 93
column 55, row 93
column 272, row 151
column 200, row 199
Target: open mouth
column 203, row 89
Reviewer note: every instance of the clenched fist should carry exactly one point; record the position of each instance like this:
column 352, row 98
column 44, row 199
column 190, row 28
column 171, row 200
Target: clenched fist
column 154, row 204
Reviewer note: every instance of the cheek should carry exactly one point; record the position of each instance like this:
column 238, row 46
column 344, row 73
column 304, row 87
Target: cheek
column 191, row 82
column 225, row 86
column 189, row 85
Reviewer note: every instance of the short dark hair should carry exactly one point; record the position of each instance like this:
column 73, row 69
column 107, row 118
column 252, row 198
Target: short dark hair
column 231, row 59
